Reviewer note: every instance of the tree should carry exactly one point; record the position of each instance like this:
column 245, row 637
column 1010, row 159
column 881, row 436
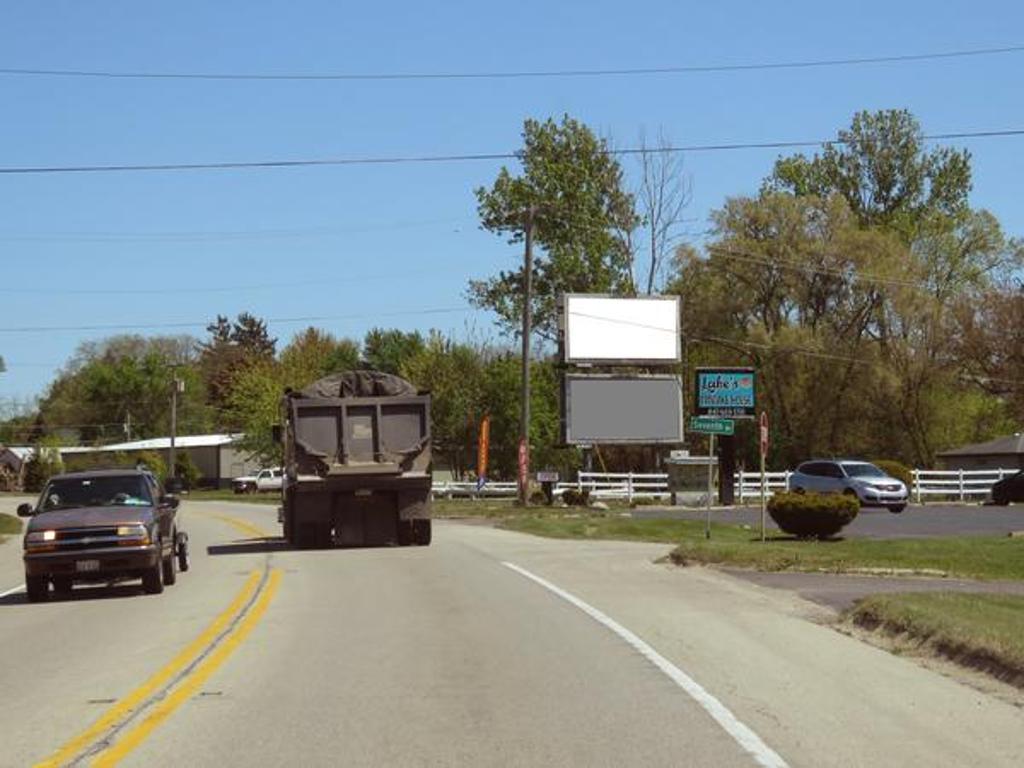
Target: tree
column 663, row 194
column 881, row 168
column 452, row 373
column 231, row 347
column 389, row 350
column 582, row 210
column 124, row 380
column 313, row 354
column 500, row 398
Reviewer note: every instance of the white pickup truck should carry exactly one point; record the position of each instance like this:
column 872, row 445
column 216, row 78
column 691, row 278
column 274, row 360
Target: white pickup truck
column 264, row 481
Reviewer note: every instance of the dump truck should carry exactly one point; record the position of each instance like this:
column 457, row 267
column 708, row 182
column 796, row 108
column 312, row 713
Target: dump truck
column 356, row 449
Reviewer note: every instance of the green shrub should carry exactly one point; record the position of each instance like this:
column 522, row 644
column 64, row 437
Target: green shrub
column 895, row 469
column 575, row 498
column 645, row 501
column 812, row 515
column 187, row 470
column 538, row 498
column 41, row 467
column 154, row 462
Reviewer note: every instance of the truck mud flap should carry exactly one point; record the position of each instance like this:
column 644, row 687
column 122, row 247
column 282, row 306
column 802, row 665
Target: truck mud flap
column 369, row 520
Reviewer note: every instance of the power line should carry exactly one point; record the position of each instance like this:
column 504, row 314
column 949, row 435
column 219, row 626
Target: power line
column 807, row 268
column 234, row 289
column 214, row 236
column 512, row 74
column 458, row 158
column 204, row 323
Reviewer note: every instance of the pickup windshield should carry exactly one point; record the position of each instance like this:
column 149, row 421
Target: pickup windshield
column 68, row 493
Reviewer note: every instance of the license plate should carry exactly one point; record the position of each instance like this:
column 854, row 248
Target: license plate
column 85, row 566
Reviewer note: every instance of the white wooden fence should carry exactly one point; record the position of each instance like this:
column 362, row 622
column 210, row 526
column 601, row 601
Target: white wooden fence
column 961, row 485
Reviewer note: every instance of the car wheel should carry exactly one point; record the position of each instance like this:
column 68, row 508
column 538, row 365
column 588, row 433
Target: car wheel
column 169, row 568
column 37, row 588
column 62, row 586
column 152, row 579
column 897, row 508
column 799, row 490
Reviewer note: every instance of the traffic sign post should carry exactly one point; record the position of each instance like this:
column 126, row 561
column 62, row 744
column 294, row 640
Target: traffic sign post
column 763, row 435
column 711, row 484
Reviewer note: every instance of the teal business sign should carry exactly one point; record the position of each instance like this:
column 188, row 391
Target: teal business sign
column 713, row 426
column 725, row 392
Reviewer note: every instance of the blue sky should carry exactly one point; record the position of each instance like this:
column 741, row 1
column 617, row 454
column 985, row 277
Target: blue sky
column 390, row 241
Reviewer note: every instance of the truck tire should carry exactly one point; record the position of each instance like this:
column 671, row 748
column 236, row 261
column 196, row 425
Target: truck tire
column 169, row 568
column 288, row 527
column 421, row 532
column 152, row 579
column 37, row 588
column 181, row 552
column 405, row 533
column 305, row 536
column 62, row 586
column 324, row 536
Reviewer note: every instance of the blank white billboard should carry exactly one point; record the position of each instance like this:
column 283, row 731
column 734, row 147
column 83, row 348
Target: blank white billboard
column 603, row 329
column 623, row 409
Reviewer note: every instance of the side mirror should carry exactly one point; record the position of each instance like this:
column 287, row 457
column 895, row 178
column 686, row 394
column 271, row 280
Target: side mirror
column 25, row 510
column 170, row 501
column 173, row 485
column 275, row 433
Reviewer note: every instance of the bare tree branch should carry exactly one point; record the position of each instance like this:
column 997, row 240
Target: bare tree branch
column 664, row 193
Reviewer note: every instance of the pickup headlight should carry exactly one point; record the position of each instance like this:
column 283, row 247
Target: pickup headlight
column 132, row 535
column 41, row 541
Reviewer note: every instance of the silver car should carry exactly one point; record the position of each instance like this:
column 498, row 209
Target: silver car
column 871, row 486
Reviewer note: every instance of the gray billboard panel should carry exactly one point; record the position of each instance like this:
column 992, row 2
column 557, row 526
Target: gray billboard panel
column 623, row 409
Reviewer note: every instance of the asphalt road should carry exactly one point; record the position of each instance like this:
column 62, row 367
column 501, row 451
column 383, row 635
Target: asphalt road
column 916, row 521
column 582, row 654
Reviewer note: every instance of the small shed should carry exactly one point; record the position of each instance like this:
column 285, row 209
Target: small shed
column 1002, row 453
column 217, row 457
column 13, row 459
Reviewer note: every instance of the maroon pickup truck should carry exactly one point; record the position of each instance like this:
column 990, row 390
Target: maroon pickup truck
column 102, row 526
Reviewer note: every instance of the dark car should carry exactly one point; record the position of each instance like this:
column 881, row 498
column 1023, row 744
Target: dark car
column 102, row 526
column 1009, row 489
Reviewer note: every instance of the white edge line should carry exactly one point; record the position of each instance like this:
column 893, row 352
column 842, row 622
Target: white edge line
column 742, row 734
column 12, row 590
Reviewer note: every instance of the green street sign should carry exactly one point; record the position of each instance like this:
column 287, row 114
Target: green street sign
column 712, row 426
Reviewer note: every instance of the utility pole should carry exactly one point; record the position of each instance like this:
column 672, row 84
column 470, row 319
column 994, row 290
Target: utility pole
column 524, row 423
column 177, row 385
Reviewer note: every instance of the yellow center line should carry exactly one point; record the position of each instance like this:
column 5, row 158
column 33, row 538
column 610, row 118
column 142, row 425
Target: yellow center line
column 242, row 525
column 126, row 705
column 191, row 684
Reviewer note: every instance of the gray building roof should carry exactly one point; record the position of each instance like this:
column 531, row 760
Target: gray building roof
column 1003, row 446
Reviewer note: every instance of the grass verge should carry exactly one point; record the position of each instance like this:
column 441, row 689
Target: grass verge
column 226, row 494
column 9, row 526
column 984, row 632
column 966, row 557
